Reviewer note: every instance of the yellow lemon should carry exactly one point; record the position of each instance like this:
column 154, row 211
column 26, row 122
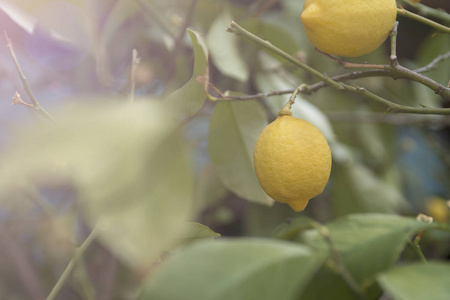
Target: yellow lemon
column 348, row 27
column 292, row 161
column 437, row 208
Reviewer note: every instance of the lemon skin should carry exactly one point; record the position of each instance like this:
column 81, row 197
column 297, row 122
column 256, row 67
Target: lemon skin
column 292, row 161
column 348, row 28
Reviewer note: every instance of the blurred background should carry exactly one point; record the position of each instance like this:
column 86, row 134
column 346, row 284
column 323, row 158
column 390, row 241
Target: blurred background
column 80, row 51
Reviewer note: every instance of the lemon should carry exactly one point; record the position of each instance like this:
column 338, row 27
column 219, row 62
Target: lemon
column 437, row 208
column 292, row 161
column 348, row 27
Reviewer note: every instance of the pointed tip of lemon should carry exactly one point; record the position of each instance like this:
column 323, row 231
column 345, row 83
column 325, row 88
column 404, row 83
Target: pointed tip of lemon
column 298, row 205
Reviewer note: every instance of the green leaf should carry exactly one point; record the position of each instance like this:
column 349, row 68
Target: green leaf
column 247, row 269
column 224, row 49
column 368, row 244
column 357, row 189
column 290, row 229
column 195, row 231
column 234, row 129
column 127, row 164
column 418, row 281
column 188, row 99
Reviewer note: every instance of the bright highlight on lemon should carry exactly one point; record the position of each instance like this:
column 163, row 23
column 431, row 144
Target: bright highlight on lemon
column 292, row 161
column 348, row 27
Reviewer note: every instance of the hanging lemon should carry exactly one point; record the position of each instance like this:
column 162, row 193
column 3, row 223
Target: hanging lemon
column 292, row 161
column 348, row 27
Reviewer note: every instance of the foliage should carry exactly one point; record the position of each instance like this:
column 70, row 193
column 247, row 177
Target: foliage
column 136, row 181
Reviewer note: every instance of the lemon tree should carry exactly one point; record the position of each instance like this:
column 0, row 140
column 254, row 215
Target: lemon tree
column 205, row 150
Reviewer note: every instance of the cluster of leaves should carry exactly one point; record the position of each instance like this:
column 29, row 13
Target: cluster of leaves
column 138, row 173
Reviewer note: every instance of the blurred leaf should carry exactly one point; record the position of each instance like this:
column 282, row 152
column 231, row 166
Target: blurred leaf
column 234, row 129
column 418, row 281
column 209, row 188
column 358, row 237
column 128, row 165
column 357, row 189
column 193, row 231
column 247, row 269
column 291, row 228
column 224, row 48
column 276, row 34
column 189, row 98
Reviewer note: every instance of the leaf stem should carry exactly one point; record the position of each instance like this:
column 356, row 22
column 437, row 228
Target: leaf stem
column 78, row 253
column 415, row 245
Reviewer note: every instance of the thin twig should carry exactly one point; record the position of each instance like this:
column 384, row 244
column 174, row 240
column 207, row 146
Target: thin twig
column 36, row 106
column 393, row 35
column 72, row 263
column 393, row 107
column 134, row 62
column 396, row 120
column 400, row 72
column 411, row 15
column 435, row 13
column 305, row 89
column 85, row 281
column 171, row 59
column 434, row 63
column 156, row 17
column 350, row 65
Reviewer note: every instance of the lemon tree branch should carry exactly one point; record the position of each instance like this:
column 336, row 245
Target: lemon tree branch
column 304, row 88
column 399, row 71
column 393, row 107
column 73, row 261
column 419, row 18
column 35, row 104
column 429, row 11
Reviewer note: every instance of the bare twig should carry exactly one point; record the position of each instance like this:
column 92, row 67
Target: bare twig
column 391, row 106
column 134, row 62
column 437, row 26
column 398, row 119
column 36, row 106
column 156, row 17
column 350, row 65
column 434, row 63
column 75, row 258
column 393, row 35
column 400, row 72
column 427, row 11
column 171, row 59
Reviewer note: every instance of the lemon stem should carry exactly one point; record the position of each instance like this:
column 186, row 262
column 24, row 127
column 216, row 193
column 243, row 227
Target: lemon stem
column 287, row 108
